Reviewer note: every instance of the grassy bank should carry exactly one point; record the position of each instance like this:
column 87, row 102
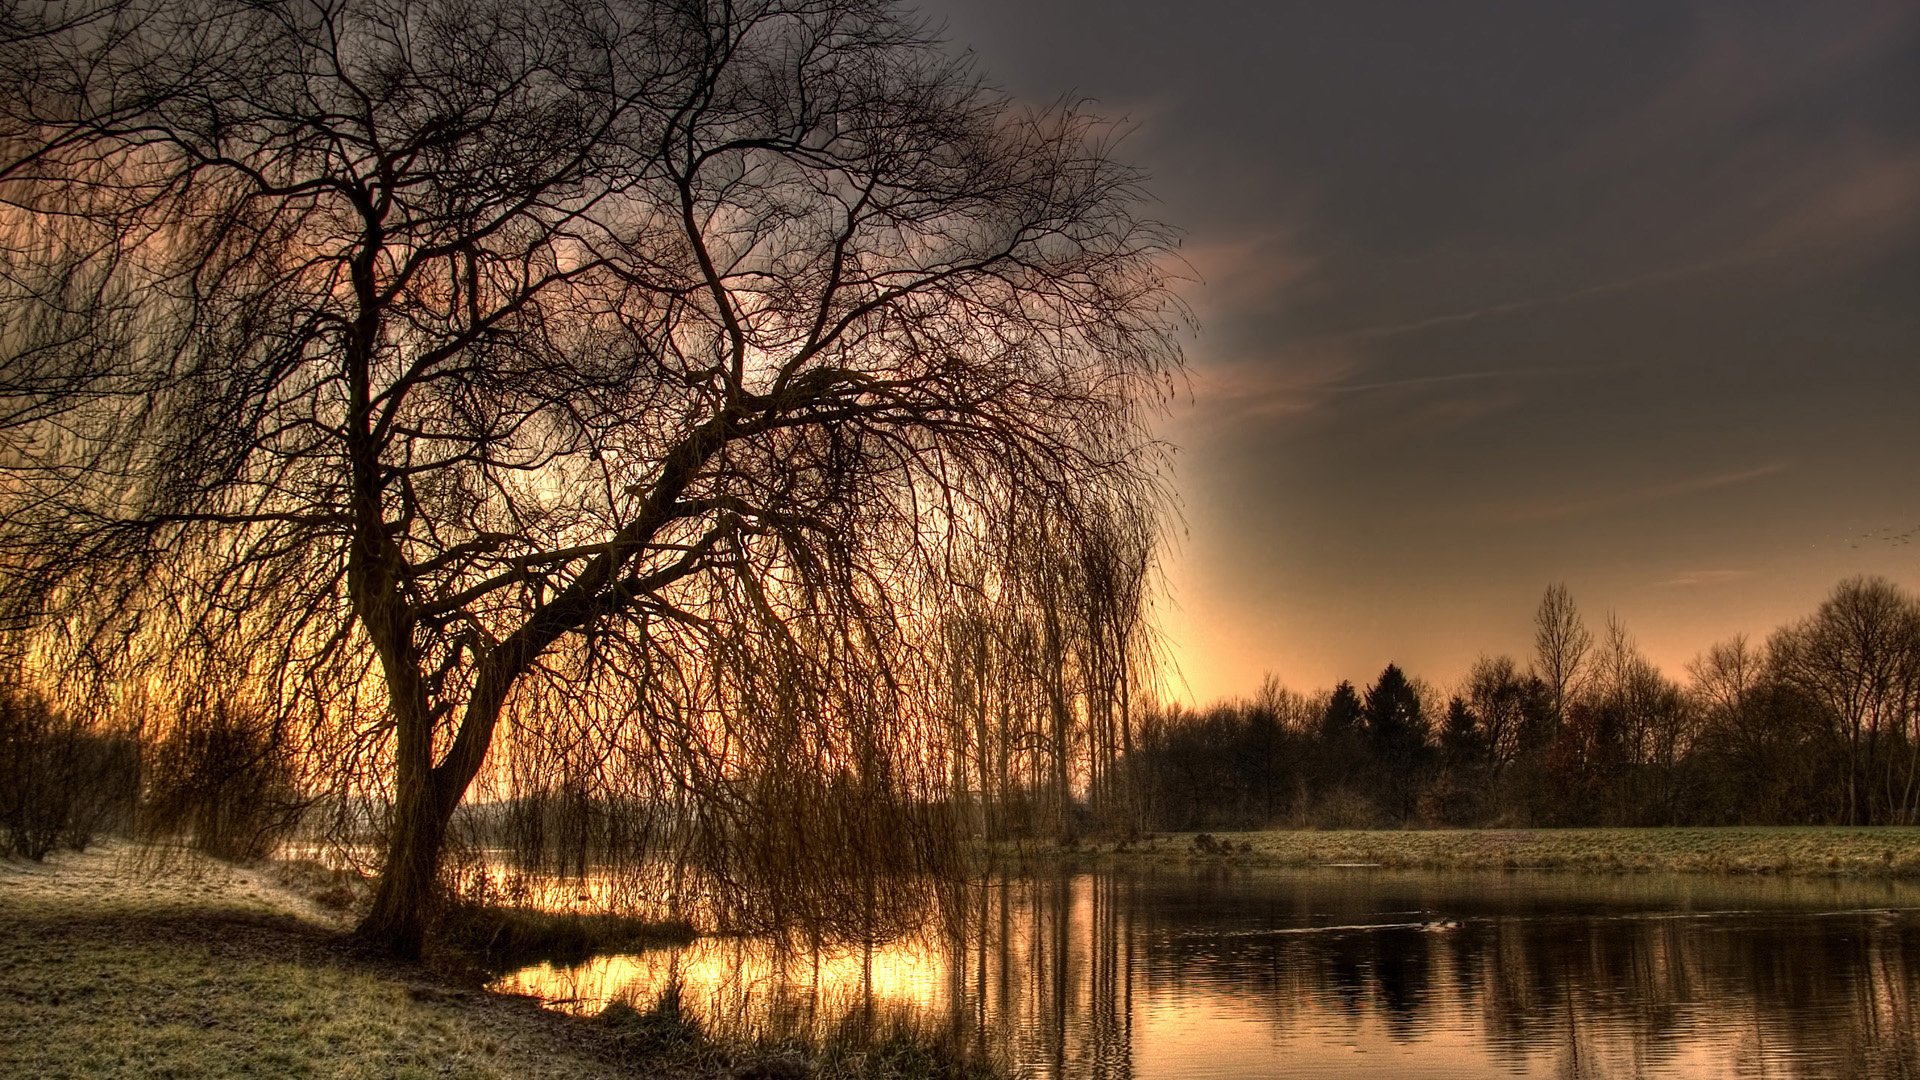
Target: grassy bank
column 504, row 938
column 200, row 969
column 1809, row 851
column 204, row 970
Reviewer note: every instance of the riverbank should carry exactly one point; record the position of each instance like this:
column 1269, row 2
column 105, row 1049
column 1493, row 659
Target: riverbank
column 112, row 968
column 1821, row 851
column 201, row 969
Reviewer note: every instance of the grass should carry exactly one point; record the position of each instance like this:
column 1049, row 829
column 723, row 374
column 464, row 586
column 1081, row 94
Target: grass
column 112, row 966
column 891, row 1046
column 198, row 969
column 899, row 1050
column 504, row 938
column 1821, row 851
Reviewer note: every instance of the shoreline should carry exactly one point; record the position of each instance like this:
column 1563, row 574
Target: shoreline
column 1870, row 852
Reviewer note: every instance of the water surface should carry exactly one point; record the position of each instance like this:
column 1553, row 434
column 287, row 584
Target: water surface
column 1350, row 972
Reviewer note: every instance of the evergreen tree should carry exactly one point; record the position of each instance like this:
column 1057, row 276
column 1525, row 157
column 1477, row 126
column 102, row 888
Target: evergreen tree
column 1397, row 736
column 1461, row 745
column 1395, row 727
column 1341, row 755
column 1344, row 714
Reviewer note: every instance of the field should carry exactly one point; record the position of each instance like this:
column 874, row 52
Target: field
column 1810, row 851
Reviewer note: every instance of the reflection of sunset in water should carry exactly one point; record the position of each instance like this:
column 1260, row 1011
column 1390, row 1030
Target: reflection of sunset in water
column 735, row 980
column 1354, row 974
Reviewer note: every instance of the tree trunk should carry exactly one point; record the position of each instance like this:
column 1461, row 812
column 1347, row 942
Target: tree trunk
column 425, row 798
column 404, row 901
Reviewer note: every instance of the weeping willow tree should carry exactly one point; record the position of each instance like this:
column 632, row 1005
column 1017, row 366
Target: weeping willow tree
column 558, row 403
column 1046, row 657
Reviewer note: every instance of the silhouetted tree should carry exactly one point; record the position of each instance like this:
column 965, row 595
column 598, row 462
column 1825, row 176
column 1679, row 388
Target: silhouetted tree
column 1462, row 744
column 1762, row 744
column 1340, row 753
column 1397, row 732
column 1619, row 753
column 1858, row 656
column 1560, row 645
column 1344, row 715
column 1461, row 786
column 1820, row 721
column 223, row 779
column 546, row 394
column 63, row 779
column 1515, row 709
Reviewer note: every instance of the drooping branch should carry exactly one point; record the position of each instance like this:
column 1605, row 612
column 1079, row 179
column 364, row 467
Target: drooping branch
column 636, row 389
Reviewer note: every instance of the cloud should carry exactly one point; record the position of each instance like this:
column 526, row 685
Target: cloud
column 1428, row 380
column 1580, row 507
column 1292, row 383
column 1861, row 191
column 1745, row 66
column 1694, row 579
column 1300, row 382
column 1718, row 165
column 1246, row 273
column 1661, row 276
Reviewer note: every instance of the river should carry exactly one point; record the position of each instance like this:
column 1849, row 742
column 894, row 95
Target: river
column 1209, row 974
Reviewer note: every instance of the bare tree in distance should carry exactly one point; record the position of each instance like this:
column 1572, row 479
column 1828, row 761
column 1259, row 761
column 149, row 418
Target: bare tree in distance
column 1506, row 704
column 1858, row 656
column 1561, row 642
column 564, row 396
column 1728, row 675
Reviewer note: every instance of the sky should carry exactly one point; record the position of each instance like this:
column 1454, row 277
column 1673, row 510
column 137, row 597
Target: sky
column 1624, row 295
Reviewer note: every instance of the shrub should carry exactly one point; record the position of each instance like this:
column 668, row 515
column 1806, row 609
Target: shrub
column 223, row 778
column 62, row 782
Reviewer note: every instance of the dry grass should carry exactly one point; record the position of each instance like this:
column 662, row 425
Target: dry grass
column 198, row 969
column 1802, row 851
column 505, row 938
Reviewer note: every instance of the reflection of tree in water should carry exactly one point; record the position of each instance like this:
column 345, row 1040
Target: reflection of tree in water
column 1587, row 996
column 1403, row 972
column 1346, row 969
column 1072, row 976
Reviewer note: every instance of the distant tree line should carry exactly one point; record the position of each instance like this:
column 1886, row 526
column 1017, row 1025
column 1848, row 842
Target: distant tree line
column 1818, row 724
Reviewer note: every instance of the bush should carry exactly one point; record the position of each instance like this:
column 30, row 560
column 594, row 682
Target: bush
column 504, row 938
column 1344, row 808
column 224, row 779
column 62, row 783
column 666, row 1028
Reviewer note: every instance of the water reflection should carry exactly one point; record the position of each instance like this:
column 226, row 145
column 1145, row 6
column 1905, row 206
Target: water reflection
column 1354, row 973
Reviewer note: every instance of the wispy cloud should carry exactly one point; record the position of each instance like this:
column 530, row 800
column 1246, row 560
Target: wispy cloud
column 1305, row 380
column 1245, row 272
column 1270, row 387
column 1516, row 306
column 1694, row 579
column 1579, row 507
column 1426, row 380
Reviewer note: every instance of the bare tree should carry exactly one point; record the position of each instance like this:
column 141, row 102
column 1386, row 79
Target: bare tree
column 1046, row 661
column 1506, row 705
column 1761, row 740
column 1560, row 645
column 1727, row 677
column 1859, row 657
column 566, row 395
